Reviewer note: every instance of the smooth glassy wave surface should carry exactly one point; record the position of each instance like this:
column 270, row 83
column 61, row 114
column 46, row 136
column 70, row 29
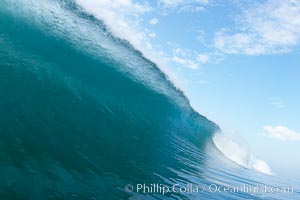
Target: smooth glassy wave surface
column 83, row 114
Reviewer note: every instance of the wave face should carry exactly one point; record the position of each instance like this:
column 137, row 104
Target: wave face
column 82, row 114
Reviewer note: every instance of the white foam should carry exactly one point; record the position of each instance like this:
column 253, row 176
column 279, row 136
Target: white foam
column 239, row 154
column 123, row 18
column 262, row 166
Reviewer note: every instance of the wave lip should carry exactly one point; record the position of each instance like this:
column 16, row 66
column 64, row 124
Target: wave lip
column 239, row 154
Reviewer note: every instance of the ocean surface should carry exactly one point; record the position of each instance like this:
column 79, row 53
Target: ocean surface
column 83, row 115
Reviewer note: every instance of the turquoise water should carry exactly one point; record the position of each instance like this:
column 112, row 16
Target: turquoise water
column 83, row 114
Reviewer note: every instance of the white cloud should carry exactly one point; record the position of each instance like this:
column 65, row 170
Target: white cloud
column 191, row 9
column 188, row 58
column 180, row 51
column 199, row 8
column 203, row 58
column 173, row 3
column 152, row 35
column 184, row 5
column 185, row 62
column 267, row 28
column 282, row 133
column 153, row 21
column 276, row 102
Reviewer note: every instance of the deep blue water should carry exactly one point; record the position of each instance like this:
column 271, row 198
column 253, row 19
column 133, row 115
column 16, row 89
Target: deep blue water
column 83, row 114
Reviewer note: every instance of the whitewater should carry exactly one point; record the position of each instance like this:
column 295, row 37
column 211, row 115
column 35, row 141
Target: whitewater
column 84, row 113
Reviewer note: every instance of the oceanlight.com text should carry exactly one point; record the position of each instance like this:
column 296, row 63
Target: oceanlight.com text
column 157, row 188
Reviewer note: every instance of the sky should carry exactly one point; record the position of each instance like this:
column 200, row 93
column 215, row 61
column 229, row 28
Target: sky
column 238, row 62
